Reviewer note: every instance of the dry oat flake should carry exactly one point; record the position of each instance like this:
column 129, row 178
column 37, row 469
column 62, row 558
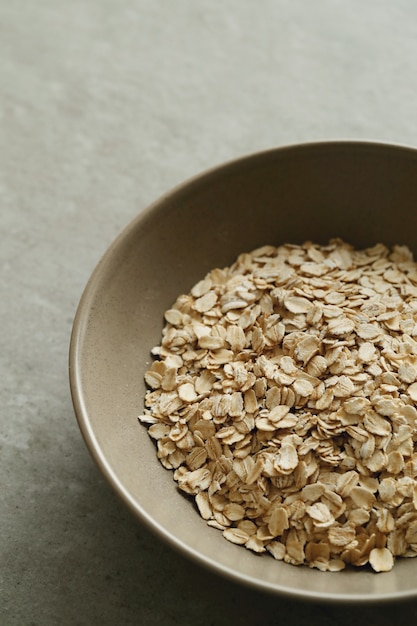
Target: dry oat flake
column 283, row 397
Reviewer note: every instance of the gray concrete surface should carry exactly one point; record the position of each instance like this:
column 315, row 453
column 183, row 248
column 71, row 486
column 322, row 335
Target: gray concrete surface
column 104, row 105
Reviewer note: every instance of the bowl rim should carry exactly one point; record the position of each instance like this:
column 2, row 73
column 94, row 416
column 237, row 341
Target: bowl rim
column 79, row 329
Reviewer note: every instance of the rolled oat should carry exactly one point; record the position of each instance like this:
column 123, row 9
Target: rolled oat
column 283, row 398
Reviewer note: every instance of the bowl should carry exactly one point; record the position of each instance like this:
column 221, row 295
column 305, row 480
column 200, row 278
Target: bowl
column 363, row 192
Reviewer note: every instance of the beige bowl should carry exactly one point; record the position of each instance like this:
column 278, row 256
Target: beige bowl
column 363, row 192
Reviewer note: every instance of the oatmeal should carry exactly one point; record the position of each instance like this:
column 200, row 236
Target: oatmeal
column 282, row 397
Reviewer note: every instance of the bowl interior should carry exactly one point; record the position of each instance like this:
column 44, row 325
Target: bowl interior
column 362, row 192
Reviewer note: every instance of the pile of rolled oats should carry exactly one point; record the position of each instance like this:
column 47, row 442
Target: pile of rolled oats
column 283, row 397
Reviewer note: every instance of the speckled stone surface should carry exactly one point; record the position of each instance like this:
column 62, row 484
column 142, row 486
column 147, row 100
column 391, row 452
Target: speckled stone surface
column 104, row 105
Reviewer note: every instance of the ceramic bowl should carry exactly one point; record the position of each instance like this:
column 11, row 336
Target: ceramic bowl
column 364, row 192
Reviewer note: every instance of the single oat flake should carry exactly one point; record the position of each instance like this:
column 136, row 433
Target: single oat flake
column 283, row 398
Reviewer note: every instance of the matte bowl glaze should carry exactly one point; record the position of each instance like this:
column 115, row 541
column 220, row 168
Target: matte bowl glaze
column 361, row 191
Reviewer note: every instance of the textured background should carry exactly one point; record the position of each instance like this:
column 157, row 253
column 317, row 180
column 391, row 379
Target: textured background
column 104, row 105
